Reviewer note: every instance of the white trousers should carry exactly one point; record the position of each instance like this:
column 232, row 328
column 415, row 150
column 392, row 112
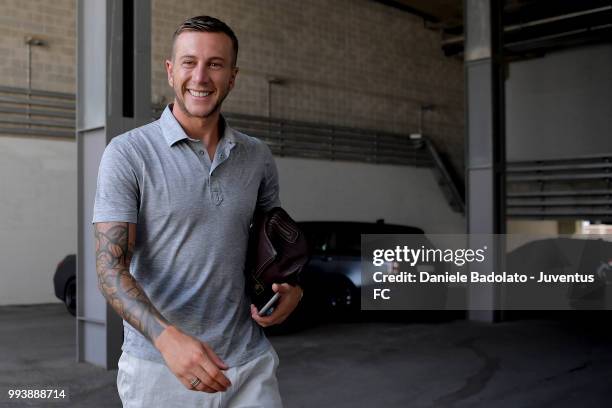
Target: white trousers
column 143, row 383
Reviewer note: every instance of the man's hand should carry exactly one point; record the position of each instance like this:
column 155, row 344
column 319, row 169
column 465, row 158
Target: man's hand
column 189, row 358
column 289, row 298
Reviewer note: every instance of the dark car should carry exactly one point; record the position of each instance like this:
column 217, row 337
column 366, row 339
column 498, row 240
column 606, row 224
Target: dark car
column 64, row 282
column 332, row 278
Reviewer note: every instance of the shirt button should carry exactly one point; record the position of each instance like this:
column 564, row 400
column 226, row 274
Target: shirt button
column 220, row 156
column 201, row 152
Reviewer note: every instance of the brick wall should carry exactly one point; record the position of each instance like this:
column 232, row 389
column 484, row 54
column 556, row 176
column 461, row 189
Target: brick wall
column 53, row 65
column 348, row 62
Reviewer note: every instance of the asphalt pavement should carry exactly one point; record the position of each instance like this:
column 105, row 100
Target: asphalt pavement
column 530, row 363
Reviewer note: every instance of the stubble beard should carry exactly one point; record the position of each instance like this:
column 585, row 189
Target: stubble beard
column 183, row 107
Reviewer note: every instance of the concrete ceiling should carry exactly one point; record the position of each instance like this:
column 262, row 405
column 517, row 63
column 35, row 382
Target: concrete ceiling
column 529, row 25
column 445, row 13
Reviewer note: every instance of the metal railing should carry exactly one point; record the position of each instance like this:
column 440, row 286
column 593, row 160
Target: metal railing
column 36, row 113
column 299, row 139
column 579, row 188
column 328, row 142
column 52, row 114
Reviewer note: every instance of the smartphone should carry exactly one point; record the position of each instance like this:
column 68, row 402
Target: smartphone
column 268, row 307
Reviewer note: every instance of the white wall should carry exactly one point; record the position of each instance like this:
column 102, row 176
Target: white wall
column 558, row 106
column 317, row 190
column 38, row 203
column 38, row 210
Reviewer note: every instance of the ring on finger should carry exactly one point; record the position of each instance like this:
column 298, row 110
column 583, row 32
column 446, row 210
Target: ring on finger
column 195, row 382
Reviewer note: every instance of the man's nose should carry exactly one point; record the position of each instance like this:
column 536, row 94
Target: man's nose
column 200, row 74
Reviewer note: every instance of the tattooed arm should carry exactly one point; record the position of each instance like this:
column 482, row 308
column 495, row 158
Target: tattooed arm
column 114, row 248
column 187, row 357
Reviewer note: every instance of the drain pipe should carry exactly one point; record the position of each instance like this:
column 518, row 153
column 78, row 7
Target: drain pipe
column 272, row 80
column 31, row 42
column 422, row 110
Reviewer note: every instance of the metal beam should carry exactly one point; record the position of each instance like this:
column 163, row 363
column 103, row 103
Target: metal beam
column 575, row 26
column 102, row 82
column 403, row 6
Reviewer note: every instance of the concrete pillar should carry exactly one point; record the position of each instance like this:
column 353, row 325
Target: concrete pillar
column 485, row 141
column 113, row 95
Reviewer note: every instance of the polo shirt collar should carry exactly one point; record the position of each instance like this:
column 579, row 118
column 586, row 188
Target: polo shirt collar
column 173, row 132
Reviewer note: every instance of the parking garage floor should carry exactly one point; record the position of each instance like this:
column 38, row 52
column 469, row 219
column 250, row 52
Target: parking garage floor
column 535, row 363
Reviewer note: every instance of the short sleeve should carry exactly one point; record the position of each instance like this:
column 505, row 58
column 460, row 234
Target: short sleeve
column 267, row 197
column 117, row 192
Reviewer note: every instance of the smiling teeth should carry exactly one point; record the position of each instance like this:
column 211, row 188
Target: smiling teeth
column 197, row 93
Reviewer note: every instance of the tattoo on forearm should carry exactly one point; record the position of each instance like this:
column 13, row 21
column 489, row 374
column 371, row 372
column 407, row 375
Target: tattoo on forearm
column 114, row 249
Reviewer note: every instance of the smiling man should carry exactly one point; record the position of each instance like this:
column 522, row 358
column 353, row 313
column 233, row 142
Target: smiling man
column 171, row 218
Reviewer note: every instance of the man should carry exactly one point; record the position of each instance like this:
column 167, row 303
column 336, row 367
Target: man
column 171, row 217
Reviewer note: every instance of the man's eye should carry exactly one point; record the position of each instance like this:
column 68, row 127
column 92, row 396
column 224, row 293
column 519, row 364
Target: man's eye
column 215, row 65
column 187, row 63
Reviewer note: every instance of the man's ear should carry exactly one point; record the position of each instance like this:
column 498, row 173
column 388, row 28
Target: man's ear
column 232, row 81
column 169, row 66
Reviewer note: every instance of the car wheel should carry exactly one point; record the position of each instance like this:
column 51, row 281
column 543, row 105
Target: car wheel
column 70, row 296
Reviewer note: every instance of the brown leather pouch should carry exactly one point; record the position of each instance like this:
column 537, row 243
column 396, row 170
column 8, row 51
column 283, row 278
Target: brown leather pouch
column 277, row 253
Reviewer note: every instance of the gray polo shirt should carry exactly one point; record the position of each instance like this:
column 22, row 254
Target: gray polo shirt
column 192, row 218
